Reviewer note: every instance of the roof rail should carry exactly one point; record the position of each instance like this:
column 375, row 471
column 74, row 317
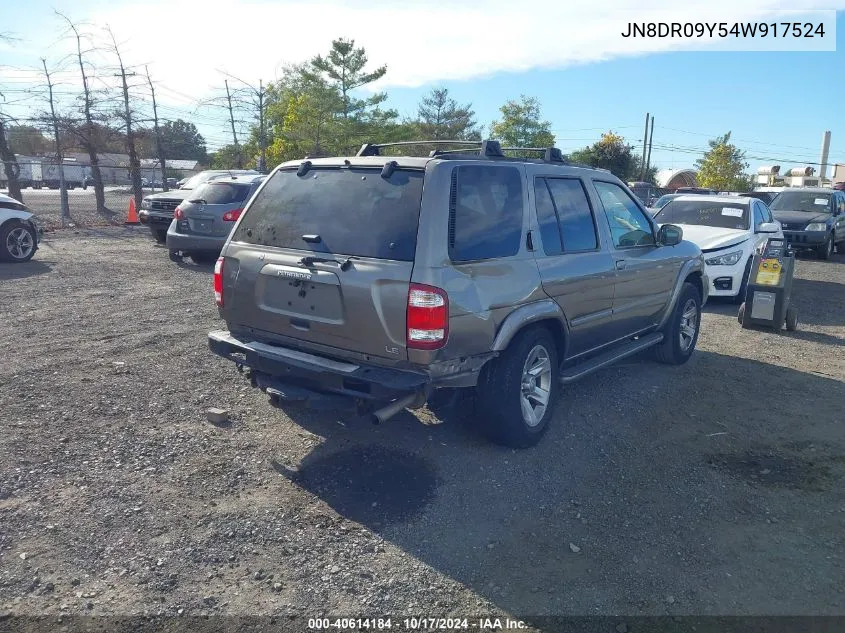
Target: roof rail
column 372, row 149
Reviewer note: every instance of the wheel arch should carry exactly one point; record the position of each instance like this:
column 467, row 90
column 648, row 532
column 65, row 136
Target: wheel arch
column 545, row 313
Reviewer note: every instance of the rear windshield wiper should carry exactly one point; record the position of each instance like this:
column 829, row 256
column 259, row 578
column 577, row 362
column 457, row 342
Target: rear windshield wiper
column 308, row 260
column 198, row 201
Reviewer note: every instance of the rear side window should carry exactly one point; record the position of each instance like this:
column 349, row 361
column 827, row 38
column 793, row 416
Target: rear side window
column 485, row 219
column 354, row 211
column 547, row 218
column 574, row 214
column 221, row 193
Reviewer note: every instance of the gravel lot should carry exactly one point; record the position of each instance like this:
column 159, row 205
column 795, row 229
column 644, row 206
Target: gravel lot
column 714, row 488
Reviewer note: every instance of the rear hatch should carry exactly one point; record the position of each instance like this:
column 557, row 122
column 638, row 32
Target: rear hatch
column 213, row 208
column 326, row 257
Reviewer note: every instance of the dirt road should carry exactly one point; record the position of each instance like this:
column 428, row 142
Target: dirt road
column 714, row 488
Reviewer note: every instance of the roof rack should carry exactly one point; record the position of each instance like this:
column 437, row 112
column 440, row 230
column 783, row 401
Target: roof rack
column 488, row 148
column 372, row 149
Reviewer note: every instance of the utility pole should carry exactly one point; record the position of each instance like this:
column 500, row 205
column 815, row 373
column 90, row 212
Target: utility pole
column 60, row 158
column 645, row 144
column 650, row 137
column 232, row 119
column 134, row 163
column 159, row 147
column 262, row 163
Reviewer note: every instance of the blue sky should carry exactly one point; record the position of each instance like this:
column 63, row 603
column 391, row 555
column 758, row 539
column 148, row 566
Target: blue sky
column 776, row 104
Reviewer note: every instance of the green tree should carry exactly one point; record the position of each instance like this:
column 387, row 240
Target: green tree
column 521, row 124
column 613, row 153
column 226, row 158
column 723, row 166
column 441, row 117
column 343, row 69
column 182, row 141
column 28, row 140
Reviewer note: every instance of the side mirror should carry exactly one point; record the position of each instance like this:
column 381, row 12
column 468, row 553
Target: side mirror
column 767, row 227
column 670, row 235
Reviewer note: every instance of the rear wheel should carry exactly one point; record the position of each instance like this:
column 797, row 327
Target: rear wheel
column 681, row 332
column 204, row 258
column 175, row 256
column 516, row 392
column 160, row 235
column 791, row 319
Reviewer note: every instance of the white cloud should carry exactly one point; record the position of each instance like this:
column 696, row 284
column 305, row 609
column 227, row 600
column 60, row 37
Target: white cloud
column 421, row 42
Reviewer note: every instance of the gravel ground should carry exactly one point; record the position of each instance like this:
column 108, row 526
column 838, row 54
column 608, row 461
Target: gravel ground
column 714, row 488
column 46, row 205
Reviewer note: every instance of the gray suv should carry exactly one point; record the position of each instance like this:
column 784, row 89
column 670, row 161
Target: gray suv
column 369, row 281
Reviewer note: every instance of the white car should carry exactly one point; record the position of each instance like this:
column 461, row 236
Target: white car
column 728, row 230
column 18, row 231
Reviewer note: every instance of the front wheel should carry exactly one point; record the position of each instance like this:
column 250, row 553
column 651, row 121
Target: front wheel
column 516, row 392
column 826, row 250
column 160, row 235
column 204, row 258
column 681, row 332
column 17, row 242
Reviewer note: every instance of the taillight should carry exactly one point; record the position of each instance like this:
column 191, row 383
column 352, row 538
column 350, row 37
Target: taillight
column 232, row 216
column 428, row 317
column 218, row 281
column 177, row 213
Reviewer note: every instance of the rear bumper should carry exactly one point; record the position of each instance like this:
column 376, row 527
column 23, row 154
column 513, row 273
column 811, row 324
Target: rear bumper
column 189, row 242
column 321, row 381
column 155, row 219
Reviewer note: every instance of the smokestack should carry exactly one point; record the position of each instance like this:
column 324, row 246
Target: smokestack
column 823, row 157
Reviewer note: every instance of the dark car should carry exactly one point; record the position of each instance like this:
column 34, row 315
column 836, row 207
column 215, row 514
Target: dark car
column 765, row 196
column 369, row 281
column 813, row 218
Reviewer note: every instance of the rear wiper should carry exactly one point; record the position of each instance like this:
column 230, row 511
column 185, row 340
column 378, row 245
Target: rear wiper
column 308, row 260
column 198, row 201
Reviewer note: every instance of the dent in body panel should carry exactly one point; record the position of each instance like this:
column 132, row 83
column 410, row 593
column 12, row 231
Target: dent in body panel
column 390, row 300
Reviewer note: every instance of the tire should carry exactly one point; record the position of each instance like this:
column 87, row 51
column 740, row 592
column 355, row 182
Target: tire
column 500, row 395
column 160, row 235
column 826, row 250
column 18, row 242
column 674, row 350
column 174, row 255
column 791, row 318
column 743, row 286
column 204, row 258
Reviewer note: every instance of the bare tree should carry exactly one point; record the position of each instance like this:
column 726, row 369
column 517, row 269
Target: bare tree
column 253, row 98
column 134, row 163
column 10, row 163
column 87, row 137
column 232, row 119
column 159, row 145
column 60, row 158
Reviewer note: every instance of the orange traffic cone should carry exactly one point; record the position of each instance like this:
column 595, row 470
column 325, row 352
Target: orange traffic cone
column 132, row 216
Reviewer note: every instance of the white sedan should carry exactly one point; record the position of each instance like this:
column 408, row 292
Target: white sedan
column 728, row 230
column 18, row 231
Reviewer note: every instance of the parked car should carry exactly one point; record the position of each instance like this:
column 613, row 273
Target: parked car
column 813, row 218
column 766, row 196
column 370, row 281
column 202, row 222
column 662, row 201
column 172, row 182
column 157, row 208
column 728, row 229
column 19, row 233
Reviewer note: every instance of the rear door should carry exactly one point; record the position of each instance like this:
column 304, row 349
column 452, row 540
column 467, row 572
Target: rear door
column 645, row 273
column 326, row 257
column 575, row 271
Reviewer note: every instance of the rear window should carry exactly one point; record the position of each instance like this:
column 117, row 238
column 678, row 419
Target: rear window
column 354, row 211
column 221, row 193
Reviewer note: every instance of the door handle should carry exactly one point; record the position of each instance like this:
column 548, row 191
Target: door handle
column 621, row 264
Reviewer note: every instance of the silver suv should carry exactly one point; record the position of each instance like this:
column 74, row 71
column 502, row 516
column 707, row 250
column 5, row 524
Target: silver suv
column 370, row 281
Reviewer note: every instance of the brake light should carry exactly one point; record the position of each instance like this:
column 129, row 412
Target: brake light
column 218, row 281
column 177, row 213
column 427, row 318
column 232, row 216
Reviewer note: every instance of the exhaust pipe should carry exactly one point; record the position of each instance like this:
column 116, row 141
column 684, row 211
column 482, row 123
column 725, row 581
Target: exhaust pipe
column 385, row 413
